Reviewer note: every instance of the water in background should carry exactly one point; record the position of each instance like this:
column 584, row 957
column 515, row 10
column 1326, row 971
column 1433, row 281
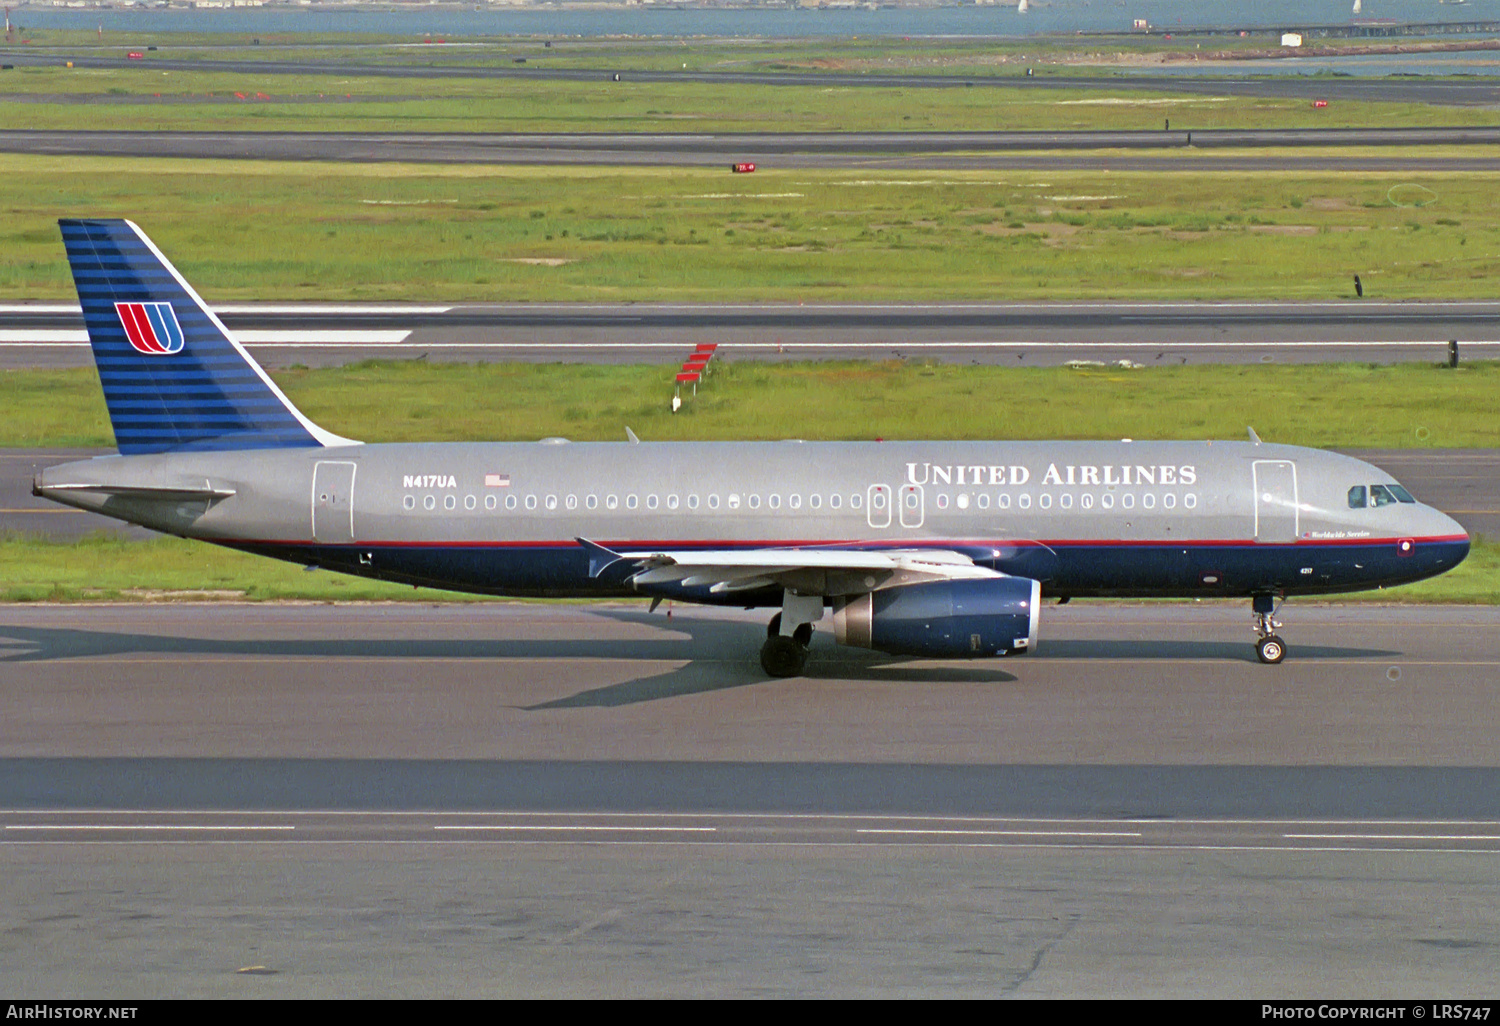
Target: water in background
column 1044, row 16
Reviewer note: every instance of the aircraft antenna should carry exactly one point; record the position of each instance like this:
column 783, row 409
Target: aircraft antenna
column 631, row 435
column 1253, row 436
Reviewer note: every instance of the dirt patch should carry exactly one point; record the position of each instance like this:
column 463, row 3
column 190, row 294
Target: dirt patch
column 1284, row 229
column 1329, row 203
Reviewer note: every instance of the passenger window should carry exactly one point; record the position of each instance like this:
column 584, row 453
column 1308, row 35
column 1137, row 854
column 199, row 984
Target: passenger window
column 1357, row 497
column 692, row 502
column 833, row 500
column 510, row 502
column 631, row 502
column 611, row 502
column 531, row 502
column 713, row 502
column 1380, row 495
column 469, row 501
column 410, row 502
column 450, row 502
column 754, row 501
column 592, row 502
column 774, row 500
column 489, row 502
column 551, row 502
column 651, row 501
column 815, row 500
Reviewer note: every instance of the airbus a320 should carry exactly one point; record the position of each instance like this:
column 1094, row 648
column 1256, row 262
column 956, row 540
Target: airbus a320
column 932, row 549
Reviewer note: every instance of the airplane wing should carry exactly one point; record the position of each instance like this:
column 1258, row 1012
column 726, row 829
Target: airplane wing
column 806, row 571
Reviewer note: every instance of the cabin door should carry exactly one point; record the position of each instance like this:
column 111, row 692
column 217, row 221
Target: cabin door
column 333, row 503
column 1276, row 520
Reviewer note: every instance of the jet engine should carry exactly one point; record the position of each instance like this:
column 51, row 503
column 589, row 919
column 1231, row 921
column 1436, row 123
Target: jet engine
column 943, row 619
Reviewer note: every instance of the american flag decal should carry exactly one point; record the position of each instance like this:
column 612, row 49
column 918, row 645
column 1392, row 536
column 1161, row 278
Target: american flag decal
column 151, row 327
column 497, row 480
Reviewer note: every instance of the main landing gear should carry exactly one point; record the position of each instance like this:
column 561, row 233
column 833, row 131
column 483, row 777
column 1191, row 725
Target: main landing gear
column 785, row 652
column 1268, row 647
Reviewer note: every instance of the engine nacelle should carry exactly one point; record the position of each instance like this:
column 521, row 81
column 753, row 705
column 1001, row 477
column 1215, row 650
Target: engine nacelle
column 945, row 619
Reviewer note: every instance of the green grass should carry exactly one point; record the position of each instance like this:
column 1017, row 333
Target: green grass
column 222, row 101
column 1337, row 405
column 443, row 232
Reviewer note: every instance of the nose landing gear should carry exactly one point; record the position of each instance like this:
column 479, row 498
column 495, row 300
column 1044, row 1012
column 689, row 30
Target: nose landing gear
column 1268, row 647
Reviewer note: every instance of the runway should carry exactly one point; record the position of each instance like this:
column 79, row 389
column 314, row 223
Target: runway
column 1046, row 334
column 1397, row 149
column 562, row 800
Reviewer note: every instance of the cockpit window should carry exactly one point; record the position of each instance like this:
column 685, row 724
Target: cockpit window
column 1357, row 497
column 1401, row 493
column 1380, row 495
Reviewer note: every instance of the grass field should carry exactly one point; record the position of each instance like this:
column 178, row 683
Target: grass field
column 80, row 98
column 1338, row 405
column 280, row 230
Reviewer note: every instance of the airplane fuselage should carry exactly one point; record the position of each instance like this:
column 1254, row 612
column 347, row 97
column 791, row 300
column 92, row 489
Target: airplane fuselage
column 1085, row 518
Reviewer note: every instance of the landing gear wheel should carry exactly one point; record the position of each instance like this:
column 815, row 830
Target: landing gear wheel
column 803, row 634
column 1270, row 649
column 774, row 627
column 783, row 657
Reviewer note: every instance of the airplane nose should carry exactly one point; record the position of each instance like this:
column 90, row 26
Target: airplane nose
column 1453, row 533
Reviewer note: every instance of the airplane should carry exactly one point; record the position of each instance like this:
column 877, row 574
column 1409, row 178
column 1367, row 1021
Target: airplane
column 939, row 549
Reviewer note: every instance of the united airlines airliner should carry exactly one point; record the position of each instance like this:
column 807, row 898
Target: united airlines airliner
column 938, row 549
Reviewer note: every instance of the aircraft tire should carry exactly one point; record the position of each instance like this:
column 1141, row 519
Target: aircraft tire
column 1270, row 649
column 783, row 657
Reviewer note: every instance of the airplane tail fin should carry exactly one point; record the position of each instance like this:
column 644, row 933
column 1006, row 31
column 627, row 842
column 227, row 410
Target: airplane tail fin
column 174, row 378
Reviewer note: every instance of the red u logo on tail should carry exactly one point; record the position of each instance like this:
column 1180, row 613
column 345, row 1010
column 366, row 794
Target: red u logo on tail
column 151, row 327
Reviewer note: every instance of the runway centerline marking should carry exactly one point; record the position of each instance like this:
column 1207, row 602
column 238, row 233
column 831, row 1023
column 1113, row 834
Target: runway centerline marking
column 928, row 832
column 1391, row 837
column 140, row 826
column 580, row 828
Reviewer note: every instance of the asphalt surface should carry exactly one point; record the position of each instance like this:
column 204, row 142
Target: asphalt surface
column 1464, row 483
column 870, row 150
column 52, row 335
column 558, row 800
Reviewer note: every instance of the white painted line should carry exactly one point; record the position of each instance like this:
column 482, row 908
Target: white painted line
column 605, row 829
column 321, row 309
column 318, row 339
column 140, row 826
column 294, row 337
column 1004, row 833
column 250, row 308
column 44, row 336
column 1391, row 837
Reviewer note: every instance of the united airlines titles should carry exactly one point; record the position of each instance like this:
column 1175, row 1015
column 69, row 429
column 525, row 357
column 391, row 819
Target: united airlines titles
column 993, row 474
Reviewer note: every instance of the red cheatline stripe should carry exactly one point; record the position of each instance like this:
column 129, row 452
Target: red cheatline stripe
column 805, row 543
